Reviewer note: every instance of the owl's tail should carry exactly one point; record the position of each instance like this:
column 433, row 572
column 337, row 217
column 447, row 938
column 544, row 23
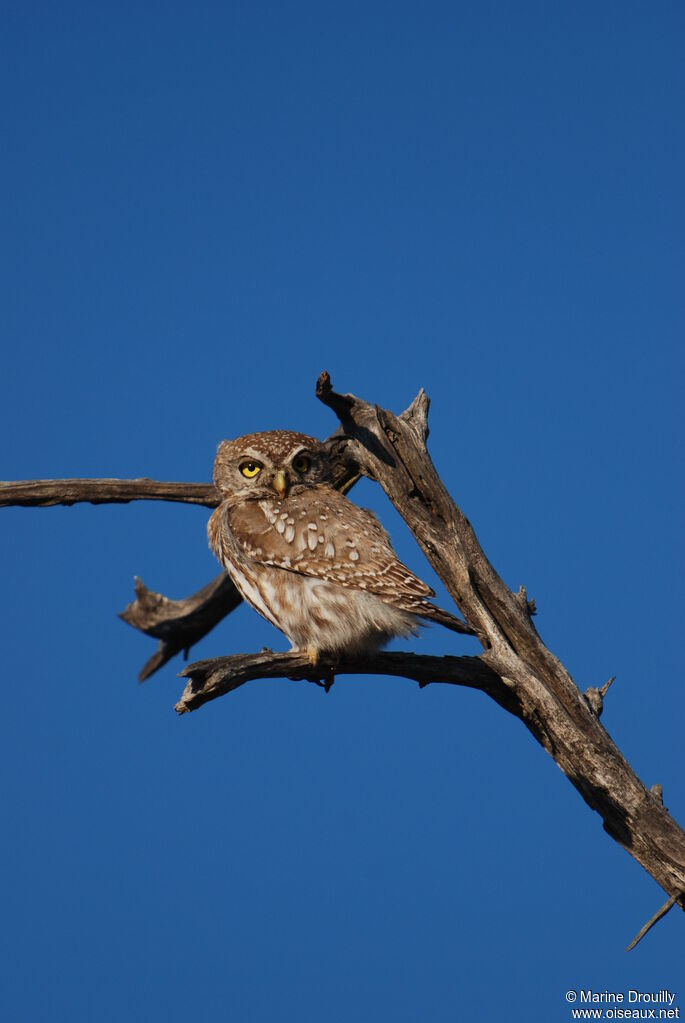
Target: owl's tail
column 436, row 614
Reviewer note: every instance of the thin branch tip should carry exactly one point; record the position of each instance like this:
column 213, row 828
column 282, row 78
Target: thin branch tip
column 341, row 404
column 416, row 415
column 666, row 908
column 658, row 792
column 595, row 697
column 526, row 603
column 323, row 382
column 607, row 685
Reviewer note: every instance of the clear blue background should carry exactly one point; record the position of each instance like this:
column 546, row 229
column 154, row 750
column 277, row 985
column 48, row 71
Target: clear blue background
column 203, row 207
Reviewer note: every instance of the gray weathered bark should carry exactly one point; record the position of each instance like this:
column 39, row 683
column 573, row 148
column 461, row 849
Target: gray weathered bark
column 220, row 675
column 393, row 451
column 43, row 493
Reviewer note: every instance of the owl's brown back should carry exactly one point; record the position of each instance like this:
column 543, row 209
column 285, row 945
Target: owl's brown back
column 320, row 533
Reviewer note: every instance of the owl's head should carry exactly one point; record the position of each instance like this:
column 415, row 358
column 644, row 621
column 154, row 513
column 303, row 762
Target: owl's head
column 273, row 463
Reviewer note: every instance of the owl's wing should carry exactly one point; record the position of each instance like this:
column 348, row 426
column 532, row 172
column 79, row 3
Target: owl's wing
column 319, row 533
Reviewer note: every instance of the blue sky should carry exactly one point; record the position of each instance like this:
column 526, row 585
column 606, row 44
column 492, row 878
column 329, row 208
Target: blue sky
column 203, row 207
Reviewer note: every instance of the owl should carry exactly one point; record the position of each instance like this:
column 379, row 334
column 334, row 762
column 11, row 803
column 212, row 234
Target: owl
column 319, row 568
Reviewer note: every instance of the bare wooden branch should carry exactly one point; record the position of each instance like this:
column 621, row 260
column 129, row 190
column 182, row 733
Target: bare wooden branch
column 45, row 493
column 220, row 675
column 178, row 624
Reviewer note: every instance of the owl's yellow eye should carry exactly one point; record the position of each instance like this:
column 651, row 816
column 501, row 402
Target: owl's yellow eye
column 301, row 464
column 250, row 469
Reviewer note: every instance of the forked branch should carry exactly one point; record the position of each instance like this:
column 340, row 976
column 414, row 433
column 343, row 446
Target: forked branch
column 392, row 450
column 516, row 669
column 179, row 624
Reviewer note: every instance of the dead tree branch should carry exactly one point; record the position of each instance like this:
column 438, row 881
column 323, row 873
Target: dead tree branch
column 220, row 675
column 516, row 669
column 392, row 450
column 44, row 493
column 178, row 624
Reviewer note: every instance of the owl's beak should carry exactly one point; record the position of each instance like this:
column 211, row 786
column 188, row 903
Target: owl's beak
column 280, row 483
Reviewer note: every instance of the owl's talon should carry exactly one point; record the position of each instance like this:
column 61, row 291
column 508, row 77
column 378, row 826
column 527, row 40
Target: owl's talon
column 313, row 656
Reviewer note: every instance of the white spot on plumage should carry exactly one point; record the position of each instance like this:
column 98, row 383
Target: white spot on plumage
column 311, row 541
column 354, row 555
column 329, row 550
column 290, row 532
column 269, row 513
